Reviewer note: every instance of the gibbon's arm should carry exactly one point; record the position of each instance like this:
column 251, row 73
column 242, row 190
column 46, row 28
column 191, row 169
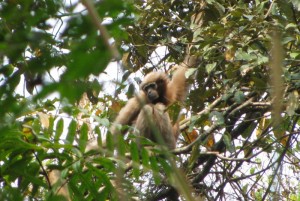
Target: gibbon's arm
column 177, row 87
column 129, row 112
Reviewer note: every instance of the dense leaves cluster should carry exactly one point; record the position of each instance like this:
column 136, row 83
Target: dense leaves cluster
column 240, row 126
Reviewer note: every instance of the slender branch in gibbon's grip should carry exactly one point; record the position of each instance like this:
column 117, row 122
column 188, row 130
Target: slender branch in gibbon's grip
column 147, row 110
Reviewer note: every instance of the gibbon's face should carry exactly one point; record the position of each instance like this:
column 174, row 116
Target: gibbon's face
column 154, row 86
column 150, row 90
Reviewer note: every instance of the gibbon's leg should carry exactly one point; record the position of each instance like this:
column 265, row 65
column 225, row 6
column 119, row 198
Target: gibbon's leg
column 154, row 123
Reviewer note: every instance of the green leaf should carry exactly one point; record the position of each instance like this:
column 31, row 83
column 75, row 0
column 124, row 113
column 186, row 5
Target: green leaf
column 110, row 144
column 155, row 170
column 83, row 138
column 239, row 97
column 295, row 54
column 55, row 197
column 145, row 158
column 244, row 56
column 166, row 166
column 121, row 145
column 259, row 83
column 219, row 7
column 107, row 163
column 11, row 193
column 249, row 17
column 190, row 71
column 71, row 132
column 30, row 176
column 77, row 166
column 102, row 121
column 210, row 67
column 252, row 170
column 48, row 132
column 135, row 158
column 228, row 142
column 293, row 103
column 75, row 189
column 99, row 136
column 262, row 60
column 247, row 132
column 59, row 129
column 103, row 177
column 36, row 126
column 287, row 40
column 217, row 117
column 89, row 184
column 11, row 140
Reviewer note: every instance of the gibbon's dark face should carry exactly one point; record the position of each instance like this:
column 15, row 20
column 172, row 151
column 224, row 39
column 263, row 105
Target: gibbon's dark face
column 151, row 91
column 155, row 91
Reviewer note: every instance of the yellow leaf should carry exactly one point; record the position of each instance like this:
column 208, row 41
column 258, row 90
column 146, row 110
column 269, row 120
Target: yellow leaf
column 116, row 106
column 191, row 137
column 98, row 112
column 44, row 119
column 38, row 52
column 284, row 140
column 207, row 123
column 248, row 149
column 26, row 130
column 210, row 141
column 293, row 103
column 229, row 54
column 261, row 127
column 126, row 59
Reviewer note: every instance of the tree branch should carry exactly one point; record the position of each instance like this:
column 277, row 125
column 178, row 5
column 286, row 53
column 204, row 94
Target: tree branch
column 98, row 23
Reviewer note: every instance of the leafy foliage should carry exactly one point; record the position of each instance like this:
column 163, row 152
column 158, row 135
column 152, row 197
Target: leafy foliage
column 240, row 125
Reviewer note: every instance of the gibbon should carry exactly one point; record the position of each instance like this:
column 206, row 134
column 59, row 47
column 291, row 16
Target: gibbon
column 147, row 110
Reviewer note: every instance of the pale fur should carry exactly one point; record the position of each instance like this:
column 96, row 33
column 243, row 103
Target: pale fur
column 138, row 109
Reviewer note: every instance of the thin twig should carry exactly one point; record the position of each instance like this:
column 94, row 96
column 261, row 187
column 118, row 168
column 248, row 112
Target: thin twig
column 186, row 122
column 43, row 169
column 98, row 23
column 270, row 9
column 223, row 157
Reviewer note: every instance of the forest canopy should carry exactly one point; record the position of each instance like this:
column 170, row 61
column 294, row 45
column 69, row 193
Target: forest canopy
column 68, row 67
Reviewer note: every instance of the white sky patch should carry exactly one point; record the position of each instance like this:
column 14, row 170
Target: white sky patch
column 158, row 54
